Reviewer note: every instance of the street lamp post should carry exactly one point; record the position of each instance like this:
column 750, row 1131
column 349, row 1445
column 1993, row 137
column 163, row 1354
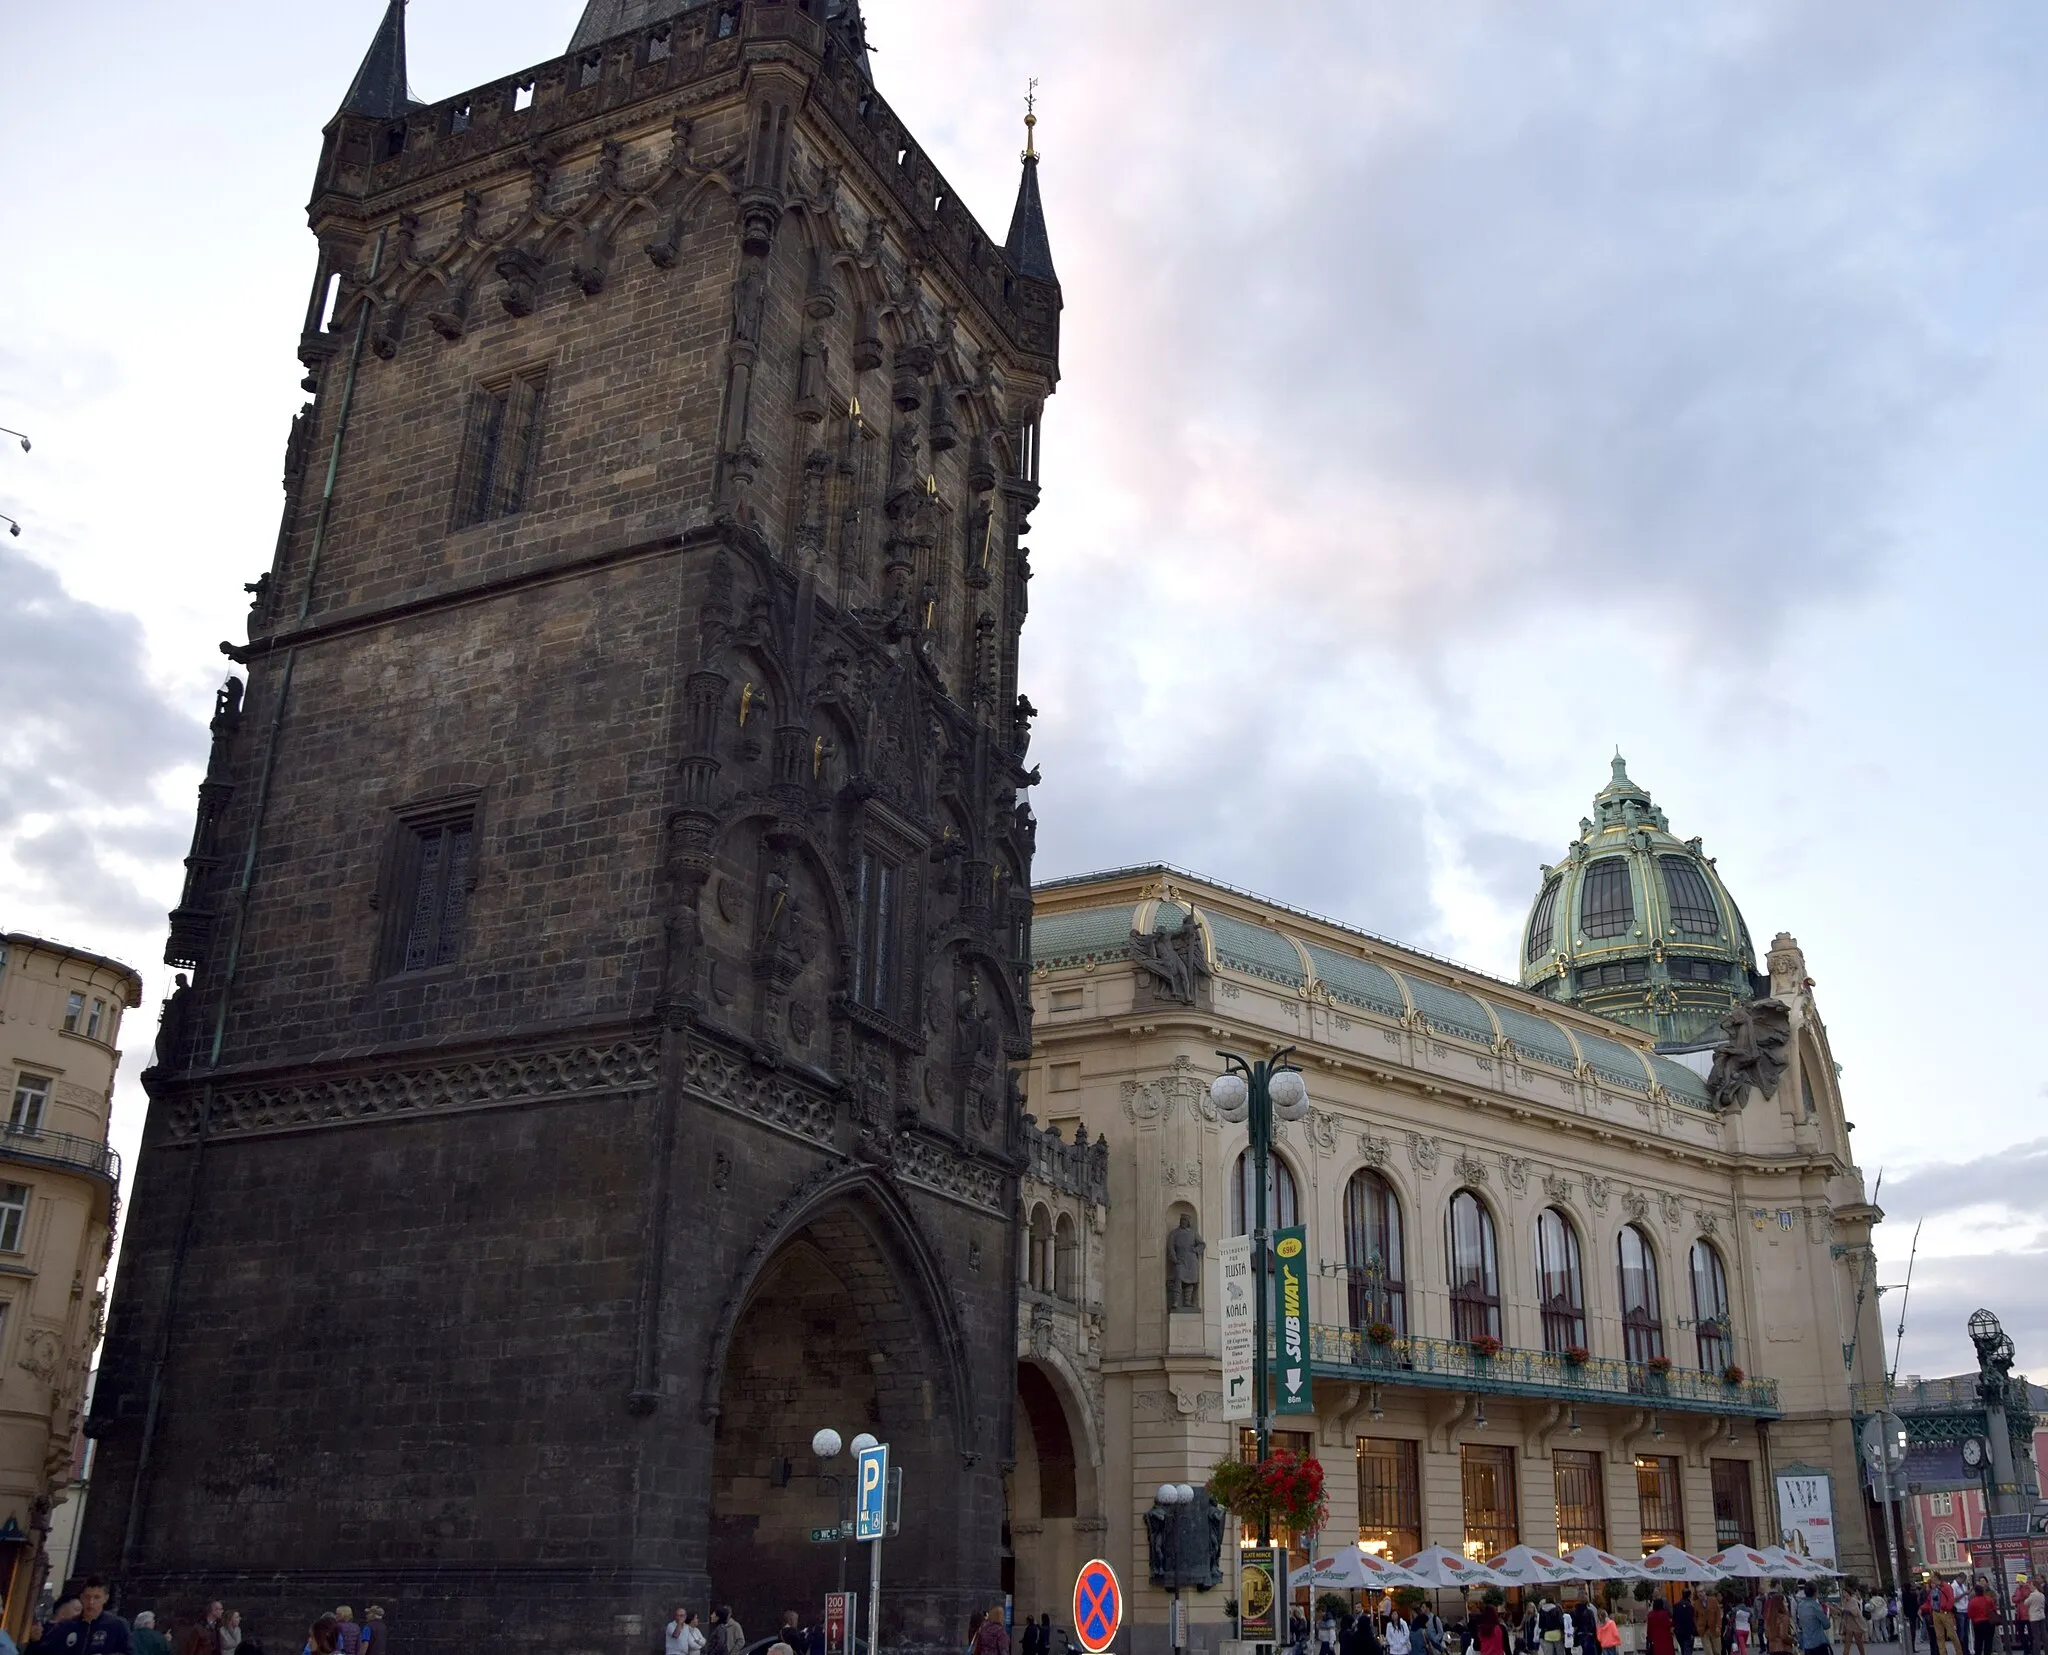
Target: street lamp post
column 1257, row 1093
column 826, row 1446
column 1173, row 1496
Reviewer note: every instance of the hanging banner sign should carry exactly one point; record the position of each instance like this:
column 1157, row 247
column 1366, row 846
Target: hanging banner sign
column 1240, row 1313
column 1261, row 1594
column 1291, row 1392
column 840, row 1613
column 1806, row 1515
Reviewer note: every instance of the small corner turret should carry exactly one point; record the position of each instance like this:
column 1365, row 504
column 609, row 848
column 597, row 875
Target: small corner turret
column 379, row 92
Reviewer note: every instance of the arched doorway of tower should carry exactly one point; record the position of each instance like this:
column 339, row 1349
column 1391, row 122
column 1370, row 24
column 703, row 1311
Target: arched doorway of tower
column 1055, row 1492
column 838, row 1329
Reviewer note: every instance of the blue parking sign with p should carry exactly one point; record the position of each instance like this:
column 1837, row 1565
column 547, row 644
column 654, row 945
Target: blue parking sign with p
column 871, row 1509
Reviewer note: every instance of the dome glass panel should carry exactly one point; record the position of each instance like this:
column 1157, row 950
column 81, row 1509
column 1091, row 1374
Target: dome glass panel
column 1543, row 922
column 1448, row 1011
column 1691, row 900
column 1608, row 908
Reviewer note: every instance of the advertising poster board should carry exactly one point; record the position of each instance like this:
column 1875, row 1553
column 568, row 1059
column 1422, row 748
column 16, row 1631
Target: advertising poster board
column 1262, row 1594
column 1806, row 1514
column 1234, row 1257
column 1293, row 1393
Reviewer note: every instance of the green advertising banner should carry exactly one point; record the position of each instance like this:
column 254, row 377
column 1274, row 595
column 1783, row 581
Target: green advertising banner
column 1291, row 1385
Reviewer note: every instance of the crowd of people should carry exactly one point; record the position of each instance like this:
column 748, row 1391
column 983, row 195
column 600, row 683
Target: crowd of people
column 81, row 1624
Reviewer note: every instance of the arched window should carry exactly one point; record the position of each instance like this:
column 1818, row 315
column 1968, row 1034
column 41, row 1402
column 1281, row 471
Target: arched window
column 1608, row 907
column 1710, row 1308
column 1475, row 1270
column 1543, row 922
column 1038, row 1261
column 1065, row 1259
column 1560, row 1284
column 1280, row 1204
column 1690, row 900
column 1372, row 1253
column 1642, row 1315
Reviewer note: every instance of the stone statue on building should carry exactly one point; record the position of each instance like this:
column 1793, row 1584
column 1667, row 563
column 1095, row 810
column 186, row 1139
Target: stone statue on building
column 1176, row 960
column 1753, row 1052
column 1184, row 1249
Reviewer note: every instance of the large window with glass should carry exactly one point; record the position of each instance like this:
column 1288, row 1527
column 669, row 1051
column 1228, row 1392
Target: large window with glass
column 1492, row 1514
column 1560, row 1283
column 1281, row 1207
column 1734, row 1507
column 1608, row 908
column 1543, row 921
column 1475, row 1270
column 1710, row 1308
column 1659, row 1495
column 1372, row 1254
column 1642, row 1314
column 1691, row 903
column 1389, row 1497
column 1581, row 1501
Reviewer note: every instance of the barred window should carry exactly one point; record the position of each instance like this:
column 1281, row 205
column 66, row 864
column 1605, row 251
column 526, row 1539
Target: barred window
column 1690, row 898
column 1389, row 1497
column 1608, row 907
column 13, row 1216
column 498, row 448
column 1492, row 1511
column 1543, row 922
column 434, row 873
column 1581, row 1499
column 1660, row 1499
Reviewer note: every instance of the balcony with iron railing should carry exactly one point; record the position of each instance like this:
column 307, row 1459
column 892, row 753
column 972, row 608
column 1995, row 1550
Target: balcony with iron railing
column 1446, row 1364
column 61, row 1149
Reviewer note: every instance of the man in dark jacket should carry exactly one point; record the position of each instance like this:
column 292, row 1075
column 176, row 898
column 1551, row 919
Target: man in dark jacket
column 1685, row 1622
column 94, row 1632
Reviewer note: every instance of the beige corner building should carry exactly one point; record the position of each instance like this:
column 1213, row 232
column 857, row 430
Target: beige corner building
column 1565, row 1289
column 60, row 1023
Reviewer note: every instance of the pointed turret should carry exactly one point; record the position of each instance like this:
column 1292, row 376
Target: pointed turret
column 1029, row 248
column 379, row 90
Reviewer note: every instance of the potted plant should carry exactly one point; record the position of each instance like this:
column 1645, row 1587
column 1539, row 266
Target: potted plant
column 1733, row 1375
column 1576, row 1356
column 1659, row 1365
column 1379, row 1333
column 1285, row 1493
column 1485, row 1346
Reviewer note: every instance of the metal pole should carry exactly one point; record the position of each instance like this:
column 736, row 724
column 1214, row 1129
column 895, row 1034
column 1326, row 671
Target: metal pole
column 874, row 1596
column 1262, row 1149
column 1891, row 1522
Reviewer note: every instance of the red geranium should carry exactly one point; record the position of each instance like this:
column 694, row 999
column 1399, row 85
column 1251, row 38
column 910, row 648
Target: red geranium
column 1286, row 1492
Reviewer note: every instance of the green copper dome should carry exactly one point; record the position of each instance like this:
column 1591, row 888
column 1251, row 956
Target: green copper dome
column 1636, row 925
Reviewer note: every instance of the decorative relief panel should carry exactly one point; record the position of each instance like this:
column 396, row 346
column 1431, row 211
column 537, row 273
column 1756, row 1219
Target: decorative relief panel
column 1557, row 1189
column 1472, row 1170
column 1635, row 1204
column 1182, row 1089
column 944, row 1172
column 1377, row 1151
column 1423, row 1153
column 491, row 1082
column 1514, row 1172
column 1598, row 1190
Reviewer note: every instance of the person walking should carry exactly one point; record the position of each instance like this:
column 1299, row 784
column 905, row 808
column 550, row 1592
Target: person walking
column 991, row 1637
column 1713, row 1613
column 1810, row 1622
column 231, row 1633
column 1685, row 1622
column 2032, row 1614
column 1941, row 1598
column 1742, row 1628
column 1659, row 1631
column 1400, row 1640
column 728, row 1637
column 146, row 1639
column 1855, row 1626
column 681, row 1636
column 348, row 1637
column 323, row 1637
column 202, row 1637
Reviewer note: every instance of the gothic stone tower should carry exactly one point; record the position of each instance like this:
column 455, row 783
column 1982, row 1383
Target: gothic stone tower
column 609, row 909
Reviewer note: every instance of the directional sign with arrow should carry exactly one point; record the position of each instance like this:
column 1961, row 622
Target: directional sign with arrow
column 1294, row 1392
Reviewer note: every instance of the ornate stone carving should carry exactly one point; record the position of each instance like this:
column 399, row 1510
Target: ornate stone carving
column 1672, row 1207
column 1707, row 1221
column 508, row 1080
column 944, row 1172
column 1322, row 1132
column 1635, row 1204
column 1181, row 1088
column 1514, row 1172
column 1757, row 1039
column 1597, row 1191
column 41, row 1354
column 1377, row 1152
column 1472, row 1170
column 1184, row 1250
column 1556, row 1189
column 1423, row 1153
column 1175, row 960
column 1787, row 963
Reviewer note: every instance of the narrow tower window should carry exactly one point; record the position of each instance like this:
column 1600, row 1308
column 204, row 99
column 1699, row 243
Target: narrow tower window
column 1543, row 922
column 435, row 872
column 498, row 449
column 1608, row 908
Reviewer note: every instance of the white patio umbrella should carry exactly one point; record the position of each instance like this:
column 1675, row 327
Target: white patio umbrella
column 1591, row 1563
column 1446, row 1570
column 1744, row 1563
column 1525, row 1566
column 1790, row 1565
column 1669, row 1562
column 1352, row 1570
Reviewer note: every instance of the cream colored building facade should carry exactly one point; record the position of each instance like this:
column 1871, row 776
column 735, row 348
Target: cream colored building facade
column 1446, row 1108
column 60, row 1023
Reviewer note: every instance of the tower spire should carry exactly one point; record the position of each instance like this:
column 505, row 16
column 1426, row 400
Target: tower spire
column 379, row 90
column 1029, row 249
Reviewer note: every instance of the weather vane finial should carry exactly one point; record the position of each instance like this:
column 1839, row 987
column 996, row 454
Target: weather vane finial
column 1031, row 120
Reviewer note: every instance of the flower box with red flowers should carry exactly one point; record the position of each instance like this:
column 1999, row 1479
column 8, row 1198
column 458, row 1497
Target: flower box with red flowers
column 1732, row 1375
column 1285, row 1492
column 1379, row 1333
column 1576, row 1356
column 1486, row 1345
column 1659, row 1365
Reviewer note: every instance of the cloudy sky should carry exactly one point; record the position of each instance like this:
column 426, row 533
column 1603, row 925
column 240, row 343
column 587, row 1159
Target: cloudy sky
column 1453, row 393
